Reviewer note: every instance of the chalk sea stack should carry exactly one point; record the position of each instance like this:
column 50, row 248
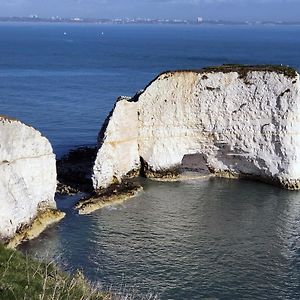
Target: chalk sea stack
column 242, row 120
column 27, row 182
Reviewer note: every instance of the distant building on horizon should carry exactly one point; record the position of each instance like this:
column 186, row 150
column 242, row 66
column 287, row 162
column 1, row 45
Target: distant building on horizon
column 199, row 20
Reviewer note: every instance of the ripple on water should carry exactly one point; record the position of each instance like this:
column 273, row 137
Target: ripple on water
column 216, row 239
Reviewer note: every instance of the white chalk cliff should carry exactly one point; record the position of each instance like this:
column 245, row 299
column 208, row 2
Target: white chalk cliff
column 244, row 121
column 27, row 176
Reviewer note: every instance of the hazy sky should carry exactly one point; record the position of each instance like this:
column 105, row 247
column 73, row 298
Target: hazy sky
column 209, row 9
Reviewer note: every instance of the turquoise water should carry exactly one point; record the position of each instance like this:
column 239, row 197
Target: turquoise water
column 216, row 239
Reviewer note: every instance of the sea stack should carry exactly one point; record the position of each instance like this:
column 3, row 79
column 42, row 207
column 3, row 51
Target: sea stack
column 27, row 182
column 242, row 120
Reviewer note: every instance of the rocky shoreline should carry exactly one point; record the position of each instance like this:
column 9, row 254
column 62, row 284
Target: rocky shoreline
column 74, row 171
column 115, row 194
column 229, row 121
column 42, row 221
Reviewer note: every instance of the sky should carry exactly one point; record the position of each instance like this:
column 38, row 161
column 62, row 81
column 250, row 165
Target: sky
column 286, row 10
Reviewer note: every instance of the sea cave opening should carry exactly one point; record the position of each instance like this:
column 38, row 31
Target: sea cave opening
column 196, row 162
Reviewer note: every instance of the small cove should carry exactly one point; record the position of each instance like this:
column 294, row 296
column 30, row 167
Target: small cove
column 214, row 238
column 211, row 238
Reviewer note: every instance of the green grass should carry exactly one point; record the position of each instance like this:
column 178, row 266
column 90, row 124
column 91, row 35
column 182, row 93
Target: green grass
column 244, row 69
column 24, row 278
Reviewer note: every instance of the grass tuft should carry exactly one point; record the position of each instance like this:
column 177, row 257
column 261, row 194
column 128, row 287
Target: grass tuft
column 24, row 278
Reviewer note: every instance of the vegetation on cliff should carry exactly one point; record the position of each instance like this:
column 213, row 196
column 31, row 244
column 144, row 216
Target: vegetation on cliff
column 244, row 69
column 24, row 278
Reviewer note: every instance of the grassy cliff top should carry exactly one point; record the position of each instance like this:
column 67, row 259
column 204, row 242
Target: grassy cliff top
column 244, row 69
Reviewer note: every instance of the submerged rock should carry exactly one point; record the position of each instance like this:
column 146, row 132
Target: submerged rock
column 242, row 121
column 27, row 181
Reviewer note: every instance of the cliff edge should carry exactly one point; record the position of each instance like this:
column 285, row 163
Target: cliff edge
column 243, row 121
column 27, row 182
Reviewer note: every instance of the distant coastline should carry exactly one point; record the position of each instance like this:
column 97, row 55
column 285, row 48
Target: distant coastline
column 77, row 20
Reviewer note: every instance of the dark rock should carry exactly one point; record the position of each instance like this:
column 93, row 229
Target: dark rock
column 74, row 171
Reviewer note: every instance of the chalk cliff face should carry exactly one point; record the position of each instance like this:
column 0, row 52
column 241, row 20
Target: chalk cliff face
column 243, row 121
column 27, row 176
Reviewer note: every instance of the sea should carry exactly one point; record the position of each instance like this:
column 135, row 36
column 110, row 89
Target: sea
column 204, row 239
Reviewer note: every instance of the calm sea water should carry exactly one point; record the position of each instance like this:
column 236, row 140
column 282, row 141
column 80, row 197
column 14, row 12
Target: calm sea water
column 65, row 84
column 215, row 239
column 210, row 239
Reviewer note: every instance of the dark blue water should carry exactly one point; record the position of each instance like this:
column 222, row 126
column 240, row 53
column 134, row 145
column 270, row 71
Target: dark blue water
column 215, row 239
column 64, row 85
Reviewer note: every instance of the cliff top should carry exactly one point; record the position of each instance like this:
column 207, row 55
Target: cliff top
column 7, row 118
column 244, row 69
column 11, row 119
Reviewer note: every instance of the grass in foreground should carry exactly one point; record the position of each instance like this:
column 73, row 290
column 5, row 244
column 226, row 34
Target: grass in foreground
column 24, row 278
